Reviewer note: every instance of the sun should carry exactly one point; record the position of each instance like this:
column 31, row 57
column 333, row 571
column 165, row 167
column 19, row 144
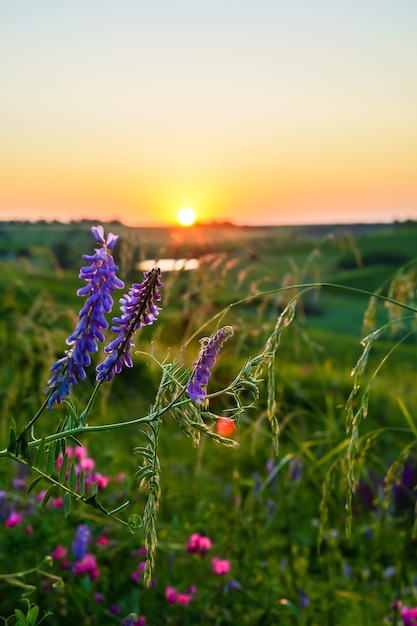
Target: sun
column 186, row 217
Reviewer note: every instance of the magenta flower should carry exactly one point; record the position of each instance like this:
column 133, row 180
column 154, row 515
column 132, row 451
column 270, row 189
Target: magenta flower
column 409, row 616
column 59, row 553
column 98, row 597
column 13, row 520
column 87, row 464
column 137, row 575
column 171, row 594
column 199, row 544
column 138, row 309
column 87, row 565
column 220, row 566
column 101, row 281
column 80, row 452
column 102, row 481
column 175, row 597
column 103, row 540
column 209, row 351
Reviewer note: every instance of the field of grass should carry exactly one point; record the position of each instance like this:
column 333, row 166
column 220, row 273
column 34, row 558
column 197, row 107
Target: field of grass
column 309, row 520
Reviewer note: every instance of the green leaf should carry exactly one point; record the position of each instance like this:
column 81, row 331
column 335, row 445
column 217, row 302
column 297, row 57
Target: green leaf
column 48, row 496
column 22, row 448
column 11, row 439
column 50, row 464
column 40, row 453
column 148, row 438
column 33, row 614
column 67, row 503
column 82, row 483
column 72, row 412
column 73, row 478
column 33, row 484
column 62, row 447
column 63, row 470
column 57, row 448
column 74, row 440
column 20, row 615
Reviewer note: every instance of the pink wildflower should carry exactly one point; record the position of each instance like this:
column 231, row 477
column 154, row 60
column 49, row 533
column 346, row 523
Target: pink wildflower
column 136, row 576
column 102, row 481
column 184, row 598
column 221, row 566
column 174, row 597
column 198, row 543
column 409, row 616
column 171, row 594
column 103, row 540
column 80, row 452
column 13, row 520
column 29, row 529
column 87, row 565
column 60, row 552
column 87, row 464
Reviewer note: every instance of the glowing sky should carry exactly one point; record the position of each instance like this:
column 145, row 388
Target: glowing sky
column 266, row 111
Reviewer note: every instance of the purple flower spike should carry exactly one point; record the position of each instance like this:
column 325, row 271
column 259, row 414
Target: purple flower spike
column 138, row 309
column 81, row 542
column 101, row 280
column 209, row 351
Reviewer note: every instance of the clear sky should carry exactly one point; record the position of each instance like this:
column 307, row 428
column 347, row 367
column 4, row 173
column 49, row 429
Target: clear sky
column 265, row 111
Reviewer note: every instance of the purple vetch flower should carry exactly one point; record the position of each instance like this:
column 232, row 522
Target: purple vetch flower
column 101, row 281
column 209, row 351
column 138, row 309
column 303, row 598
column 80, row 544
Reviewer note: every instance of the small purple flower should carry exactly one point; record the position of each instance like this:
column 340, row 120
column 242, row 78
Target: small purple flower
column 101, row 281
column 209, row 351
column 138, row 309
column 295, row 469
column 80, row 544
column 303, row 599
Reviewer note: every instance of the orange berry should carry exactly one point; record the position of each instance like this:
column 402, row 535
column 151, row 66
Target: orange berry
column 225, row 426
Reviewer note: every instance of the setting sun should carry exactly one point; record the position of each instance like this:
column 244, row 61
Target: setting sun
column 186, row 217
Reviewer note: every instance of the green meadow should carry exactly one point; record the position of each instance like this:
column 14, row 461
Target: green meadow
column 308, row 502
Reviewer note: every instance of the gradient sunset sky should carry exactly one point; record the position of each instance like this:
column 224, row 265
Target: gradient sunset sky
column 260, row 112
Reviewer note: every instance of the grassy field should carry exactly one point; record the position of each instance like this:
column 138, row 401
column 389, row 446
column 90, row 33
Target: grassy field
column 278, row 520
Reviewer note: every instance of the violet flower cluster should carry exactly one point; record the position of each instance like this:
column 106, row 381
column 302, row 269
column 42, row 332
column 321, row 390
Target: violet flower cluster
column 138, row 309
column 81, row 542
column 101, row 281
column 210, row 348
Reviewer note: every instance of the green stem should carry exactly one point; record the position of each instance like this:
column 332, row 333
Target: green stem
column 90, row 402
column 35, row 417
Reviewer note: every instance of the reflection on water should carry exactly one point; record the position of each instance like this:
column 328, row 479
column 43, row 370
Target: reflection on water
column 168, row 265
